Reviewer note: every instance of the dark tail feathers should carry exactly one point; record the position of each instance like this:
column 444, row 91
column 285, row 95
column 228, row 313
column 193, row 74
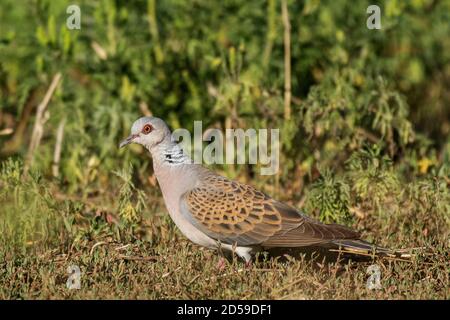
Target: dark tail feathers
column 364, row 248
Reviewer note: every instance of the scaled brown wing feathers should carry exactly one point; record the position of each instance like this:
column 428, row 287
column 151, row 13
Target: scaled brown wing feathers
column 237, row 213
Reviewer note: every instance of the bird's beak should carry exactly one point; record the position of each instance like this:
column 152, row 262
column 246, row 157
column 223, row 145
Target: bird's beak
column 128, row 140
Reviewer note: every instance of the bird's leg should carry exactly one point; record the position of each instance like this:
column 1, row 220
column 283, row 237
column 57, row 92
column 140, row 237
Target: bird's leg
column 245, row 253
column 221, row 264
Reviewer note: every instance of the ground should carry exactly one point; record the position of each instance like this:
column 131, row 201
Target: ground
column 153, row 260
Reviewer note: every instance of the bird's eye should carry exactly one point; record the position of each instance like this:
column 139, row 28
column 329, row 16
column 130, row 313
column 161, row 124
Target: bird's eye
column 147, row 129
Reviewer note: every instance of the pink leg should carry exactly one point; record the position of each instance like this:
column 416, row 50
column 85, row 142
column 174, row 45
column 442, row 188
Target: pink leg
column 221, row 264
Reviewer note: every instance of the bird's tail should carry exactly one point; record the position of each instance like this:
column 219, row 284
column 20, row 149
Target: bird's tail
column 364, row 248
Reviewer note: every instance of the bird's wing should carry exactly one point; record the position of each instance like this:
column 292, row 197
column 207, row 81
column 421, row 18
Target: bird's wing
column 237, row 213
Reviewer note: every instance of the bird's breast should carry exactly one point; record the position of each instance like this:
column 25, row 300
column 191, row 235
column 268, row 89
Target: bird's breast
column 172, row 184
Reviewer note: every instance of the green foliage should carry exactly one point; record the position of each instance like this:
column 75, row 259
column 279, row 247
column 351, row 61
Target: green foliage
column 29, row 215
column 130, row 211
column 330, row 196
column 369, row 108
column 372, row 175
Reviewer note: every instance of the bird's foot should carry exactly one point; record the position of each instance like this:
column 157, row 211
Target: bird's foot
column 221, row 264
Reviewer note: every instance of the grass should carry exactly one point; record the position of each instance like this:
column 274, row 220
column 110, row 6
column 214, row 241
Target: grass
column 364, row 141
column 46, row 230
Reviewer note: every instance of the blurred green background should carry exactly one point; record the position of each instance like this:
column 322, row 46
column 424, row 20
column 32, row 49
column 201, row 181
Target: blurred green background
column 384, row 93
column 364, row 138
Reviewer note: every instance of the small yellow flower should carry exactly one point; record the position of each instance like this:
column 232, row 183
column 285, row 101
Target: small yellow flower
column 424, row 164
column 129, row 213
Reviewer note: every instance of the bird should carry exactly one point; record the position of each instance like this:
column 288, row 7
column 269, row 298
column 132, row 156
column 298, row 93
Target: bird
column 215, row 212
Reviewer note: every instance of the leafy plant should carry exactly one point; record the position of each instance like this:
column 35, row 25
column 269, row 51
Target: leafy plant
column 372, row 176
column 129, row 210
column 330, row 196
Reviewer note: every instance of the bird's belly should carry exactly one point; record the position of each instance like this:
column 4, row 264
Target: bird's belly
column 190, row 231
column 200, row 238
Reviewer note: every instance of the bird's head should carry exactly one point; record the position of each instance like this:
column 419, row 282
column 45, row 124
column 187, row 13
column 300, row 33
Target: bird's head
column 148, row 132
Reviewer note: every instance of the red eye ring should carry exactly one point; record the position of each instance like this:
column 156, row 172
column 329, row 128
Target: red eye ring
column 147, row 129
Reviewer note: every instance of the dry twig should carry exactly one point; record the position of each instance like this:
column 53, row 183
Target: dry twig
column 58, row 147
column 38, row 129
column 287, row 60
